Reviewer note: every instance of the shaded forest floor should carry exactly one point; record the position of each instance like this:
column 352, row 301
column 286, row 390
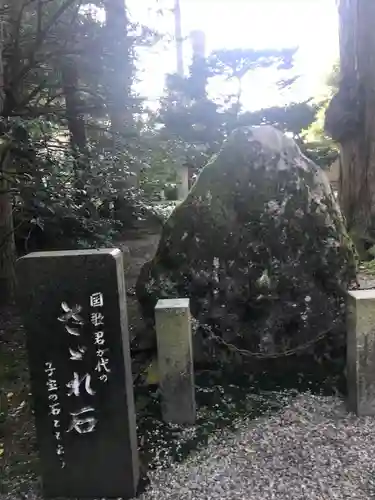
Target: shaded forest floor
column 159, row 444
column 218, row 406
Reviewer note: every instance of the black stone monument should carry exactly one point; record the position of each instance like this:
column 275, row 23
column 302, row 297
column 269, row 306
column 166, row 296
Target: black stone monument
column 74, row 310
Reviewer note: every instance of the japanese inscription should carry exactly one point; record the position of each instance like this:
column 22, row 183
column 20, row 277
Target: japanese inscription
column 97, row 320
column 73, row 308
column 83, row 420
column 55, row 409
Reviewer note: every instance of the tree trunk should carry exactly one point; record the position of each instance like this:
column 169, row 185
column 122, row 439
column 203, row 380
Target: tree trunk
column 120, row 65
column 178, row 38
column 238, row 97
column 120, row 77
column 357, row 176
column 7, row 242
column 76, row 123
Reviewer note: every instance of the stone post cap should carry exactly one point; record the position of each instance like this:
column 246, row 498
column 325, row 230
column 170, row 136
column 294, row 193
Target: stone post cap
column 362, row 294
column 172, row 304
column 73, row 253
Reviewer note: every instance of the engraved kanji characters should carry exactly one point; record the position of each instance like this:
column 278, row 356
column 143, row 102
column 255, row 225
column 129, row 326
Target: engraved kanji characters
column 77, row 355
column 97, row 320
column 96, row 300
column 54, row 407
column 83, row 421
column 75, row 383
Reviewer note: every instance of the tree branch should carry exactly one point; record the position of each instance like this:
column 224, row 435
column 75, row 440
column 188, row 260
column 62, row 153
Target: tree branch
column 32, row 94
column 39, row 41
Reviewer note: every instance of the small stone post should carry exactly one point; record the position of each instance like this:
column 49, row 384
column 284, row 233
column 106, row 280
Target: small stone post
column 361, row 352
column 175, row 360
column 183, row 182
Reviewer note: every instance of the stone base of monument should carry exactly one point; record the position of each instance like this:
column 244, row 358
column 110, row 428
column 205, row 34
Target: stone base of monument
column 361, row 352
column 175, row 360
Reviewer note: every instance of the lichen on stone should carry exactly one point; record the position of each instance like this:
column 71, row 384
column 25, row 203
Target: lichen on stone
column 265, row 215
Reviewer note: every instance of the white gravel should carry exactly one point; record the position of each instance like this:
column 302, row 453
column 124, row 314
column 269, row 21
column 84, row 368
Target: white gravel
column 312, row 449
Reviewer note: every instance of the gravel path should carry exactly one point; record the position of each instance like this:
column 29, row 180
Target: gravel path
column 313, row 449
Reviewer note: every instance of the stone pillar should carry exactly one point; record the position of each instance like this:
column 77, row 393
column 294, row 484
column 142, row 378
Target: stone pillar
column 361, row 352
column 183, row 182
column 74, row 312
column 175, row 360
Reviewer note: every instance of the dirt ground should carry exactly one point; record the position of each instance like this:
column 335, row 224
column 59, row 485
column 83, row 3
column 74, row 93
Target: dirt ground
column 18, row 450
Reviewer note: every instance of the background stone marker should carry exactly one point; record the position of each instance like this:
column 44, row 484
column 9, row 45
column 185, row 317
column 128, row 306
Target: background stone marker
column 361, row 352
column 175, row 360
column 74, row 310
column 183, row 182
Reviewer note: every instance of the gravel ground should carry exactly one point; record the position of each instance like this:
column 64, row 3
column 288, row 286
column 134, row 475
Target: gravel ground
column 313, row 449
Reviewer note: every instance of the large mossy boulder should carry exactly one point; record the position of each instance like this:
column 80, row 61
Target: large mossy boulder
column 260, row 247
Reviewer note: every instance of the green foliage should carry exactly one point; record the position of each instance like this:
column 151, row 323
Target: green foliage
column 319, row 144
column 47, row 213
column 164, row 209
column 320, row 152
column 83, row 164
column 293, row 118
column 71, row 170
column 161, row 174
column 196, row 123
column 235, row 63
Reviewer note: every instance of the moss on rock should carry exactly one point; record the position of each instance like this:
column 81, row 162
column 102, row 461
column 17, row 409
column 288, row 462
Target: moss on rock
column 260, row 248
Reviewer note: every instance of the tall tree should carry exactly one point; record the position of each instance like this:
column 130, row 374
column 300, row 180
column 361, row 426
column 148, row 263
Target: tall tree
column 178, row 38
column 350, row 117
column 63, row 72
column 192, row 118
column 9, row 70
column 75, row 121
column 26, row 28
column 235, row 64
column 294, row 118
column 119, row 65
column 121, row 37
